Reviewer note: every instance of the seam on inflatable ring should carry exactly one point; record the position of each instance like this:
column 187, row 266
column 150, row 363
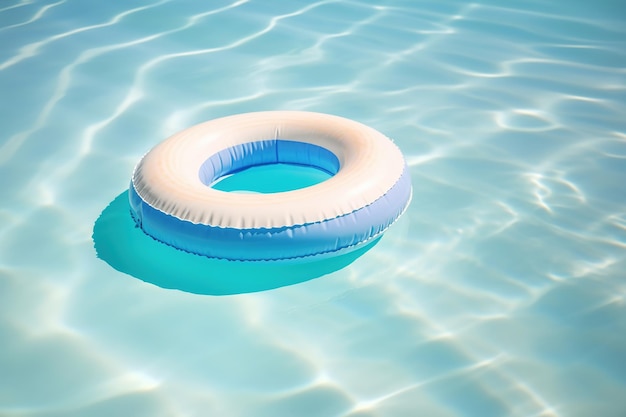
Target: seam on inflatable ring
column 278, row 228
column 289, row 258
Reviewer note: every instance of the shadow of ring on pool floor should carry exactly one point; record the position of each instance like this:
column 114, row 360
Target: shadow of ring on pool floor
column 124, row 246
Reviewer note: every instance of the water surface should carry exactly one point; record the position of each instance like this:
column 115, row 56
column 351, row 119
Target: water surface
column 501, row 292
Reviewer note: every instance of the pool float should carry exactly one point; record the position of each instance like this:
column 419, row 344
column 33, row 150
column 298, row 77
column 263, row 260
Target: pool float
column 171, row 198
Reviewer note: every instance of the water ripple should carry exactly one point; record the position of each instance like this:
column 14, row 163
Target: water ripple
column 35, row 17
column 499, row 293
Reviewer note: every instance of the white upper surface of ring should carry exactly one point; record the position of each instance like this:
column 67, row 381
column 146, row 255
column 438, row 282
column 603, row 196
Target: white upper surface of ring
column 167, row 177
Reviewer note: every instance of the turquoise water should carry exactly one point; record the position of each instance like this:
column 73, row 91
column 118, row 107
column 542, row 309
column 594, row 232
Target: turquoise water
column 274, row 178
column 501, row 292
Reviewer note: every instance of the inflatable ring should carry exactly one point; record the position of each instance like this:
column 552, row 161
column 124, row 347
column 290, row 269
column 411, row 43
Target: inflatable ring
column 171, row 198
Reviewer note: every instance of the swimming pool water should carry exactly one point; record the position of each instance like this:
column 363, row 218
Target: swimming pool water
column 501, row 292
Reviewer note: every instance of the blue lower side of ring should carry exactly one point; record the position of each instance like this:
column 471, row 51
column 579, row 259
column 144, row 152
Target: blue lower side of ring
column 279, row 243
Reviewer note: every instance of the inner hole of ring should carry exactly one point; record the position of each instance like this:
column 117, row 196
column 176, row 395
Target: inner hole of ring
column 273, row 153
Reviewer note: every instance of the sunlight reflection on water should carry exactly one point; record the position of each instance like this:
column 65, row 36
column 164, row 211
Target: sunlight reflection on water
column 500, row 292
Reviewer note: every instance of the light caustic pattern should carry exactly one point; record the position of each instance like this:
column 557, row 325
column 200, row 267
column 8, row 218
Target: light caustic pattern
column 500, row 293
